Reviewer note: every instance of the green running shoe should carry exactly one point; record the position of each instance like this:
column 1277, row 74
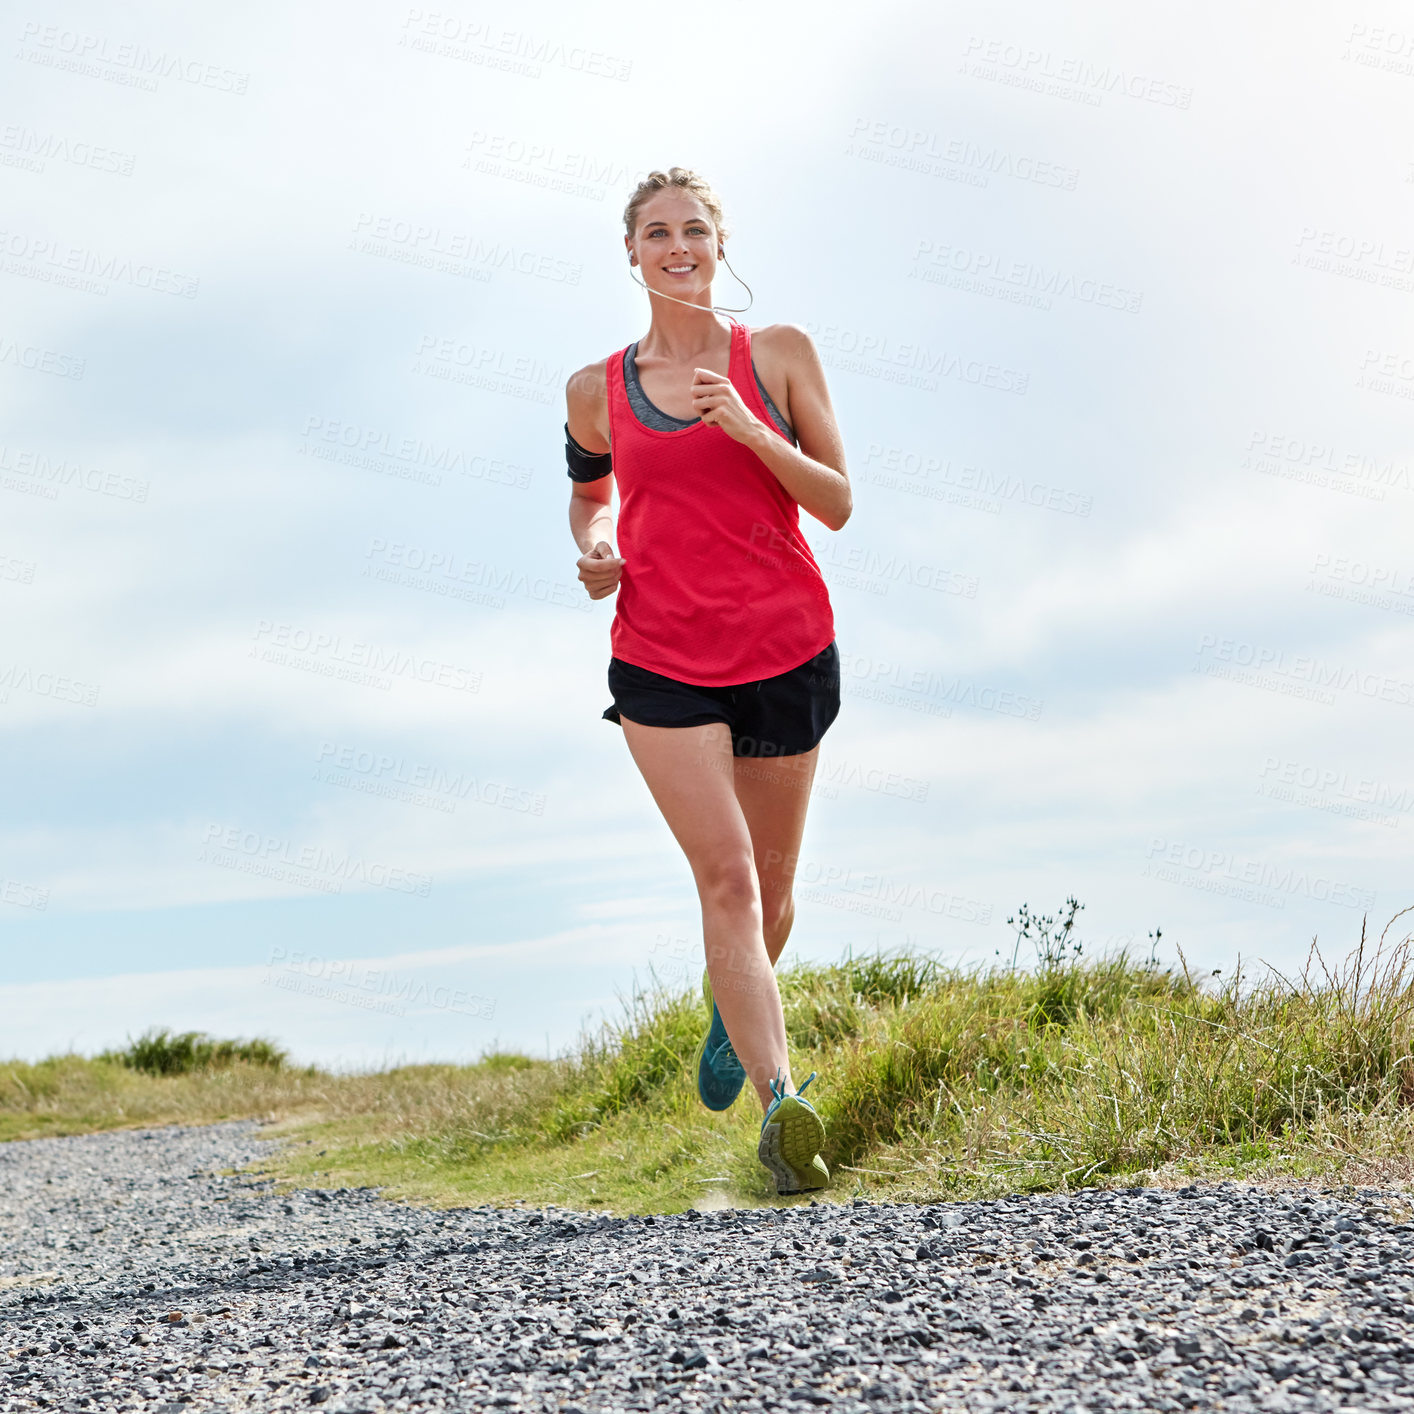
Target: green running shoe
column 720, row 1075
column 792, row 1135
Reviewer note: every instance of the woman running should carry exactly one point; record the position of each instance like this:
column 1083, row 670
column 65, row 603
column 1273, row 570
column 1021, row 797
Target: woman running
column 724, row 672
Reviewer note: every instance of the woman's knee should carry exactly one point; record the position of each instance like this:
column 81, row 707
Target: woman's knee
column 728, row 881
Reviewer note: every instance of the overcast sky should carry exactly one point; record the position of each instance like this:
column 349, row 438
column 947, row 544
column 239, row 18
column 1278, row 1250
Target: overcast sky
column 300, row 699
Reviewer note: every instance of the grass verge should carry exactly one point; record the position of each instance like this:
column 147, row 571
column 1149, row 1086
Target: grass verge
column 934, row 1083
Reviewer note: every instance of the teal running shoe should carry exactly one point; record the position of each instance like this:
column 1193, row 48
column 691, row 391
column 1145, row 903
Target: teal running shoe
column 792, row 1135
column 720, row 1075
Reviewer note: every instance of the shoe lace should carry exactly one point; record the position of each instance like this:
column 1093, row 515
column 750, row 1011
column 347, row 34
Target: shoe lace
column 727, row 1059
column 777, row 1085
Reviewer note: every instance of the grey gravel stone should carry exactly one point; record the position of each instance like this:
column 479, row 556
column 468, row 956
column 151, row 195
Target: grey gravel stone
column 137, row 1272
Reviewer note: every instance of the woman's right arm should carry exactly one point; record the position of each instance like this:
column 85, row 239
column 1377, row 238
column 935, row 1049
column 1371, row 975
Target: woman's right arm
column 591, row 516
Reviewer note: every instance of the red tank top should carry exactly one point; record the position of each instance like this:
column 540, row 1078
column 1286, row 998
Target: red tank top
column 719, row 586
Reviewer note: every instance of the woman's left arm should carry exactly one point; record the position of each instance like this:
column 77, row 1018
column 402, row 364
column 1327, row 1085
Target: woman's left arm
column 814, row 473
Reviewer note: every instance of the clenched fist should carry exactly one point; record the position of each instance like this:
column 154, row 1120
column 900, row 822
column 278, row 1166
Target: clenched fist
column 599, row 570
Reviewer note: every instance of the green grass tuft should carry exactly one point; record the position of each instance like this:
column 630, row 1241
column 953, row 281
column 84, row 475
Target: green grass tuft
column 506, row 1060
column 628, row 1064
column 164, row 1052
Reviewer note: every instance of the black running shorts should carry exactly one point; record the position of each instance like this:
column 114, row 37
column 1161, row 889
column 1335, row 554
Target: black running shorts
column 780, row 716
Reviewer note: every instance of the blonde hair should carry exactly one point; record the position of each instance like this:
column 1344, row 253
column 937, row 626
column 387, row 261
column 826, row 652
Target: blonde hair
column 685, row 180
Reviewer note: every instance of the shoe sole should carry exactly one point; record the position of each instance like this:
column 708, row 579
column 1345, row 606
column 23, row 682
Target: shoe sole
column 790, row 1148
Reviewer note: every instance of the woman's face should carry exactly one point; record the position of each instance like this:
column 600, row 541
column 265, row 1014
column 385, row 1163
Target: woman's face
column 675, row 244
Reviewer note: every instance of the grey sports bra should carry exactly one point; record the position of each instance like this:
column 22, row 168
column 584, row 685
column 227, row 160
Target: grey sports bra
column 661, row 421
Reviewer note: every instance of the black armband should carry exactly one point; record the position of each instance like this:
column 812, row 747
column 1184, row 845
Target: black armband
column 585, row 466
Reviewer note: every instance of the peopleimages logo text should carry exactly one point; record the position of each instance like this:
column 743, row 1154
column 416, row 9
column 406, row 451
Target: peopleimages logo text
column 356, row 654
column 355, row 983
column 1082, row 73
column 464, row 246
column 224, row 844
column 386, row 773
column 921, row 145
column 45, row 257
column 1301, row 667
column 92, row 50
column 1288, row 879
column 878, row 355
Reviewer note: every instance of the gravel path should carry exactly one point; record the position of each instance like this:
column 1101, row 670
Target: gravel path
column 132, row 1277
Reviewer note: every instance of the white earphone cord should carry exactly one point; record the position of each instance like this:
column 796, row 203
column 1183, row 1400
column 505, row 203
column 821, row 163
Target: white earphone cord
column 710, row 309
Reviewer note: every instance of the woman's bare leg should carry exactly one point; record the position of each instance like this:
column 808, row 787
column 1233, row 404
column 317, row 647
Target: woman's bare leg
column 774, row 794
column 689, row 772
